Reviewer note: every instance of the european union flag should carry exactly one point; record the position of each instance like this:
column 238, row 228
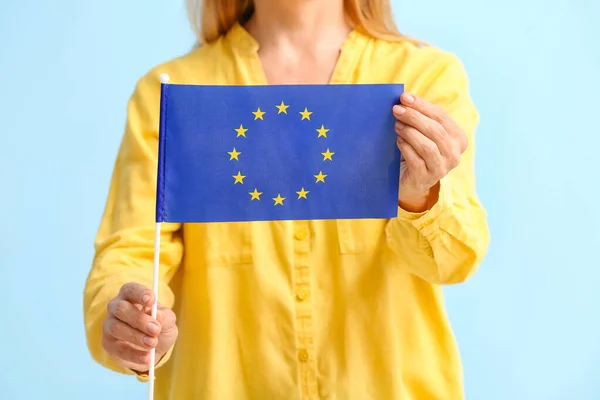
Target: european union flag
column 264, row 153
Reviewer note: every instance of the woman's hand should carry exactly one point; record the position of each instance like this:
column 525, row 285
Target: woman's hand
column 129, row 332
column 431, row 144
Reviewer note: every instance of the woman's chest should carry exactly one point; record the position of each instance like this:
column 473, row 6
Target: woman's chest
column 299, row 70
column 283, row 242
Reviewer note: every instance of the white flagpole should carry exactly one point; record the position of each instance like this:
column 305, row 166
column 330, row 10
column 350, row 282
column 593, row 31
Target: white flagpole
column 164, row 79
column 154, row 307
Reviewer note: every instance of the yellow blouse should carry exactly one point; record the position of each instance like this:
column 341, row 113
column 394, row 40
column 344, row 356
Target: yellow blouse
column 340, row 309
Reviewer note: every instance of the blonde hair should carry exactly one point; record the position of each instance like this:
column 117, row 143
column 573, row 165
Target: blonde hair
column 211, row 19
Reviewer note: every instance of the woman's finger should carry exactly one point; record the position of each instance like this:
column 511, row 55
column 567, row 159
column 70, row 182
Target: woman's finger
column 122, row 350
column 167, row 319
column 427, row 126
column 133, row 316
column 121, row 331
column 131, row 365
column 429, row 110
column 437, row 114
column 424, row 147
column 413, row 161
column 136, row 294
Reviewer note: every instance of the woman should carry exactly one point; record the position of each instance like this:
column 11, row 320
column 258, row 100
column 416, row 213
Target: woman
column 348, row 309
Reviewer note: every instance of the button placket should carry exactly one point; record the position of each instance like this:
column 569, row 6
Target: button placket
column 304, row 312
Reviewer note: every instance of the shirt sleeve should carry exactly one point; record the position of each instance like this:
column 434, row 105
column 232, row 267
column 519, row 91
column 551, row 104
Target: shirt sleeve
column 446, row 244
column 124, row 246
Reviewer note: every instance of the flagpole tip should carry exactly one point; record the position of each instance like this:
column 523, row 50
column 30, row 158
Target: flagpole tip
column 164, row 78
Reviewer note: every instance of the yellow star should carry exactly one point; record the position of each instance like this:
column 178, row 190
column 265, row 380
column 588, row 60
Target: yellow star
column 305, row 114
column 322, row 131
column 241, row 131
column 320, row 177
column 239, row 178
column 255, row 195
column 258, row 114
column 327, row 155
column 233, row 155
column 302, row 194
column 278, row 199
column 282, row 108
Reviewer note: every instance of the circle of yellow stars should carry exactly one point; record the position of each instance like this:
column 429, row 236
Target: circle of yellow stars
column 259, row 114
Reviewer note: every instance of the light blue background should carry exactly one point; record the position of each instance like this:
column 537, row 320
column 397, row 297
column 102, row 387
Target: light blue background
column 528, row 323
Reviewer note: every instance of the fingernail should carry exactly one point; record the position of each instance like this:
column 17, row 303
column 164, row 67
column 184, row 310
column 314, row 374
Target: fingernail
column 148, row 341
column 408, row 98
column 146, row 298
column 400, row 125
column 152, row 327
column 399, row 110
column 144, row 358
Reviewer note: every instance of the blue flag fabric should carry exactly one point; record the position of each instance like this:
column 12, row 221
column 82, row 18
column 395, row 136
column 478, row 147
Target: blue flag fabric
column 265, row 153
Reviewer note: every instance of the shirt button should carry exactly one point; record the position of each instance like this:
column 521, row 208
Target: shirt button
column 300, row 234
column 303, row 355
column 302, row 295
column 428, row 222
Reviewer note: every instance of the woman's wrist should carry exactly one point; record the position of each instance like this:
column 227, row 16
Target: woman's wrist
column 418, row 201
